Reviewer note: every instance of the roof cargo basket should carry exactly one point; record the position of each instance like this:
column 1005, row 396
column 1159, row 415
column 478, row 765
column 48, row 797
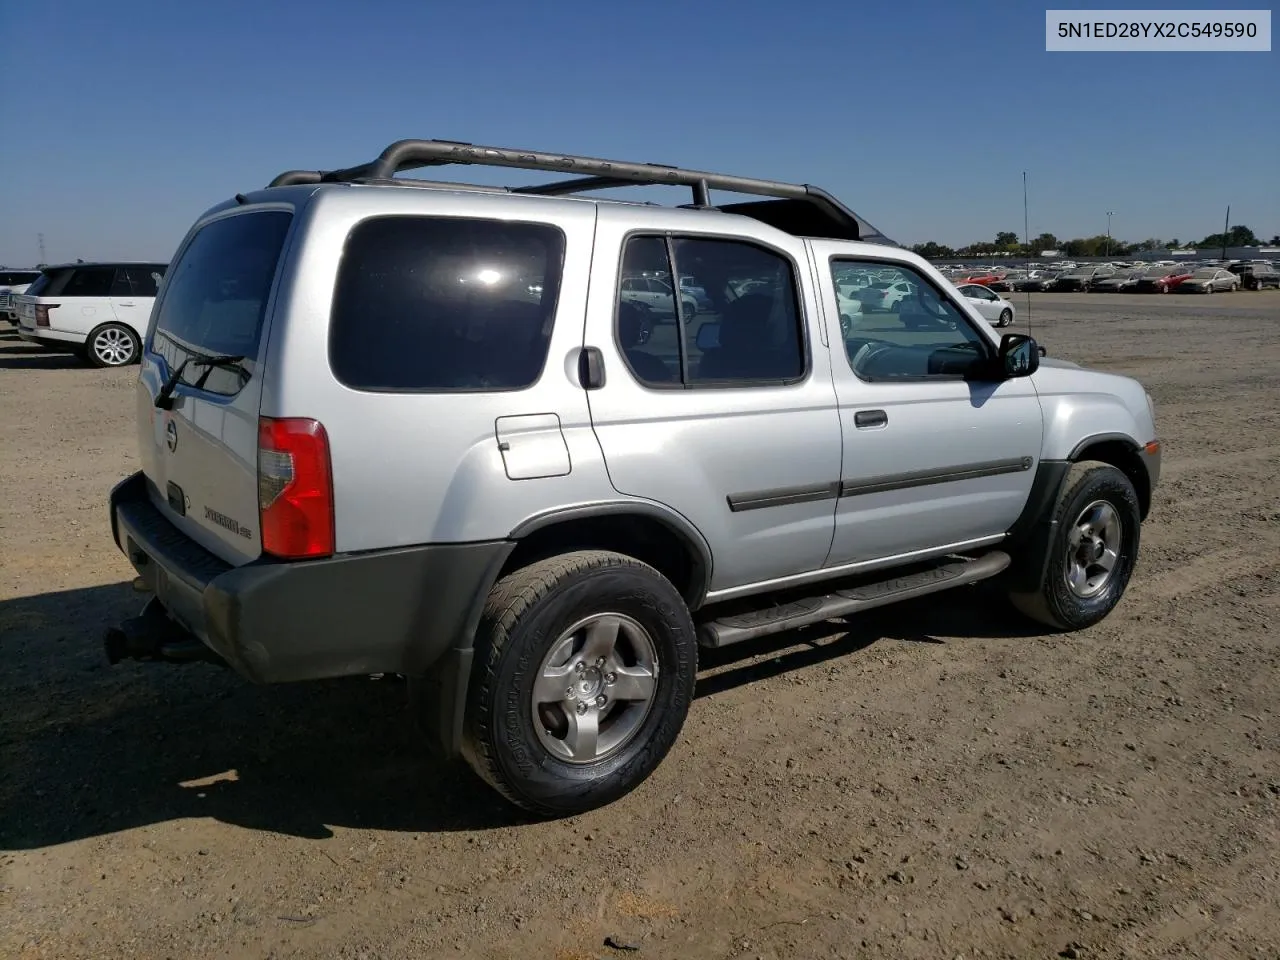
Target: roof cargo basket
column 799, row 209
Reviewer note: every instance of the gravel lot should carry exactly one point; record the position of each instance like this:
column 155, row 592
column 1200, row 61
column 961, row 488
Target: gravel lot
column 938, row 781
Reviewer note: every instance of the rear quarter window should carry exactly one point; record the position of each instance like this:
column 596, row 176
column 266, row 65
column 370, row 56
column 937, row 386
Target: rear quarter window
column 443, row 304
column 217, row 293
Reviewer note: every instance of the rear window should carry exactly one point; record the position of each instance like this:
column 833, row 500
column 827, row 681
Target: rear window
column 217, row 292
column 439, row 304
column 48, row 281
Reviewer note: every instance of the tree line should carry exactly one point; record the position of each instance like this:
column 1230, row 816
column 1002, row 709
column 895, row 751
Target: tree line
column 1008, row 244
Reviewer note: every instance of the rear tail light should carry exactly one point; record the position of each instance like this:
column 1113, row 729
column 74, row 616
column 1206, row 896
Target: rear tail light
column 295, row 488
column 42, row 313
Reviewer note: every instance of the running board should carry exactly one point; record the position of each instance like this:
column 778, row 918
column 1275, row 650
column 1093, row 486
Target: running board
column 735, row 628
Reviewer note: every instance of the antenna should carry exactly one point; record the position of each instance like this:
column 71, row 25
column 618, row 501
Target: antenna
column 40, row 239
column 1026, row 238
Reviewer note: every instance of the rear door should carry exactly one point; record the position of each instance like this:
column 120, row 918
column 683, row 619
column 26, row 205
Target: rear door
column 731, row 419
column 982, row 299
column 79, row 300
column 201, row 456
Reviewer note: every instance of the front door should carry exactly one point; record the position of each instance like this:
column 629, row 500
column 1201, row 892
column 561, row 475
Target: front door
column 730, row 419
column 932, row 461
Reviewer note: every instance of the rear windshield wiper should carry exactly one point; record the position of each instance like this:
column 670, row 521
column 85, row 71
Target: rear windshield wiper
column 164, row 398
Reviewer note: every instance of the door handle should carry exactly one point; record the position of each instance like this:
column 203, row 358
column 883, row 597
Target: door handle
column 591, row 368
column 870, row 418
column 125, row 303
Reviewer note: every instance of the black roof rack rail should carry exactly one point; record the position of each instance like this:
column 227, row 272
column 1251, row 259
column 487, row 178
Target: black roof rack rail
column 796, row 208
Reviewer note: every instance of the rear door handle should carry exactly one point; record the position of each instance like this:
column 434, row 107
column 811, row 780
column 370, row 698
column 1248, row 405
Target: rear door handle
column 870, row 418
column 125, row 303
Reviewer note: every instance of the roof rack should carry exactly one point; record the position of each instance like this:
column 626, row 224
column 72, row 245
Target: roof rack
column 799, row 209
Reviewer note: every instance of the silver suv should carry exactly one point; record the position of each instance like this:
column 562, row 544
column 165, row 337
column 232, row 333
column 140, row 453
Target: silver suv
column 422, row 428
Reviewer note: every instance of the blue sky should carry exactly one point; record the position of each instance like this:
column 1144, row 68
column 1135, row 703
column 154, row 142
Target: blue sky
column 123, row 121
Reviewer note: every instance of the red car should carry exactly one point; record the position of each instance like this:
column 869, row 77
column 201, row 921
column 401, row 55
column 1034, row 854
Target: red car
column 984, row 279
column 1165, row 284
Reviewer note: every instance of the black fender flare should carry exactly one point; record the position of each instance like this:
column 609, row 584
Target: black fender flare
column 438, row 694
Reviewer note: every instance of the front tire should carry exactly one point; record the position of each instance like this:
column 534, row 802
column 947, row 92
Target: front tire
column 1093, row 550
column 112, row 345
column 585, row 669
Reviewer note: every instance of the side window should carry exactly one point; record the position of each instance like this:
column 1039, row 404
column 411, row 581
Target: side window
column 445, row 304
column 919, row 335
column 121, row 284
column 746, row 332
column 143, row 280
column 90, row 282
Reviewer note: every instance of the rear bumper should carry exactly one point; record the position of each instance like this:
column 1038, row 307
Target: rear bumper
column 394, row 611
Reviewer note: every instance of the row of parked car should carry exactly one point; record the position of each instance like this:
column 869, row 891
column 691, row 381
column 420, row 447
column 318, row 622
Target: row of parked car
column 1165, row 277
column 99, row 311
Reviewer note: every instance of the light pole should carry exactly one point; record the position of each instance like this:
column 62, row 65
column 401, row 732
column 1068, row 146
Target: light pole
column 1108, row 254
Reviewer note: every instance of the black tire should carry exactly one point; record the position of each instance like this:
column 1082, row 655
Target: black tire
column 1006, row 318
column 1055, row 604
column 525, row 615
column 126, row 347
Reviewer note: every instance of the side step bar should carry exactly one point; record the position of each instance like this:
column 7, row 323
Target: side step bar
column 737, row 627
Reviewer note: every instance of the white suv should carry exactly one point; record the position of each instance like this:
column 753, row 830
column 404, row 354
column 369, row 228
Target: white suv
column 99, row 310
column 13, row 282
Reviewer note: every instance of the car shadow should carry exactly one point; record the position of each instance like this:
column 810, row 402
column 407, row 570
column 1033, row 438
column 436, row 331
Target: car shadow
column 18, row 354
column 89, row 749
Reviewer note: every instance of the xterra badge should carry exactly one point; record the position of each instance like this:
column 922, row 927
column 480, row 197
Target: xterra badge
column 222, row 520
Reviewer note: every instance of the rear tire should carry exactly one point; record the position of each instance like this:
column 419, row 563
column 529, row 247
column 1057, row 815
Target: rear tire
column 112, row 345
column 1079, row 588
column 594, row 621
column 1006, row 318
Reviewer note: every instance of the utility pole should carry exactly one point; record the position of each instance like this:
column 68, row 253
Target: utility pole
column 1108, row 254
column 1226, row 225
column 40, row 237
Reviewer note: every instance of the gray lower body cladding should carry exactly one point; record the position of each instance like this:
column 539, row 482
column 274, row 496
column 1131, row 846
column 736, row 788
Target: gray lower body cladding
column 392, row 611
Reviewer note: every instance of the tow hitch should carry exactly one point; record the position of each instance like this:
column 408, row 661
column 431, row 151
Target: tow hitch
column 154, row 636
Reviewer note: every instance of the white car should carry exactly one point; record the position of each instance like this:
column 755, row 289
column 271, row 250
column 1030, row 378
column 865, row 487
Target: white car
column 655, row 295
column 98, row 310
column 990, row 304
column 13, row 282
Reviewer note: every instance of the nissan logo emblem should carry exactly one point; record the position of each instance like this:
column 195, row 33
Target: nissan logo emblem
column 171, row 436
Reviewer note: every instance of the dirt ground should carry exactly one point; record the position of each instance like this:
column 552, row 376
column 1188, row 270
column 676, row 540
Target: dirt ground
column 939, row 781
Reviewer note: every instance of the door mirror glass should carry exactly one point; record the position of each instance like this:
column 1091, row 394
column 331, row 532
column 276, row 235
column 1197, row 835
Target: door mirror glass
column 1019, row 355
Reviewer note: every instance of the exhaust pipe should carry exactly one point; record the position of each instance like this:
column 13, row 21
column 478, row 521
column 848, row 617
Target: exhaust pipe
column 153, row 636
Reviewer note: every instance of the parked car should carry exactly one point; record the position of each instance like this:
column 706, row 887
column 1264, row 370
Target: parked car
column 1082, row 278
column 362, row 465
column 13, row 282
column 1209, row 280
column 1121, row 282
column 701, row 300
column 656, row 296
column 97, row 310
column 1158, row 278
column 990, row 304
column 1256, row 276
column 1036, row 280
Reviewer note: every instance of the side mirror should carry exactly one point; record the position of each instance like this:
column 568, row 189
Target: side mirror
column 708, row 337
column 1019, row 355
